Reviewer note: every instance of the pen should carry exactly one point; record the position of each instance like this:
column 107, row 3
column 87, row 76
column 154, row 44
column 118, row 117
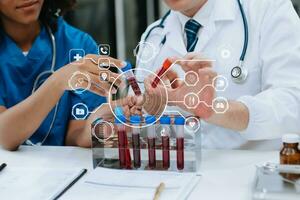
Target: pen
column 70, row 185
column 158, row 191
column 2, row 166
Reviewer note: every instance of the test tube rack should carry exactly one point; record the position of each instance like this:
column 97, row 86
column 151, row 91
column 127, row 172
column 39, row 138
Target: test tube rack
column 140, row 153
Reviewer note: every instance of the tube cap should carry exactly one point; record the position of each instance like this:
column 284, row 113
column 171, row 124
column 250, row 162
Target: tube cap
column 127, row 67
column 179, row 121
column 165, row 120
column 135, row 119
column 120, row 117
column 290, row 138
column 167, row 63
column 150, row 119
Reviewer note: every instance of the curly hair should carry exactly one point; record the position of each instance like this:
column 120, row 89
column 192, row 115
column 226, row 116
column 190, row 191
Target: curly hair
column 52, row 9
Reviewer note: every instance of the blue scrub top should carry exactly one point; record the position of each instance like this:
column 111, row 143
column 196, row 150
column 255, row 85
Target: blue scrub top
column 18, row 73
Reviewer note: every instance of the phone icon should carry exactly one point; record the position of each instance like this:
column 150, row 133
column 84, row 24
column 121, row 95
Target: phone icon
column 104, row 49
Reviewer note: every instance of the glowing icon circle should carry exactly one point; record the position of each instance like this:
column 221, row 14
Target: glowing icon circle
column 80, row 111
column 79, row 82
column 192, row 124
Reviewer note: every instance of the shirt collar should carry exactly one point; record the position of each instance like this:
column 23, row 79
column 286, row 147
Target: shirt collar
column 218, row 10
column 225, row 10
column 202, row 16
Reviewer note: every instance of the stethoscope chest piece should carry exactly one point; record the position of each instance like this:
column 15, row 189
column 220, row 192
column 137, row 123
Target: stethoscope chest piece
column 239, row 74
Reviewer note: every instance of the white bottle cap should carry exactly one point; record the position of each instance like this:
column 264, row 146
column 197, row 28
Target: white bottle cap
column 290, row 138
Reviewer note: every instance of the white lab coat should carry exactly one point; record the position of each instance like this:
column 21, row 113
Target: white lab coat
column 272, row 89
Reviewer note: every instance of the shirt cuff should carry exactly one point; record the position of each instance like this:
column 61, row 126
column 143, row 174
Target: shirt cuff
column 262, row 122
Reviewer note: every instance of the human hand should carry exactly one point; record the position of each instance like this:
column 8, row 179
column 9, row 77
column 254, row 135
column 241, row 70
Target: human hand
column 202, row 90
column 81, row 75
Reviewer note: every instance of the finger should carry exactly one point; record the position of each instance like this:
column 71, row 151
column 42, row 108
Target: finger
column 198, row 64
column 113, row 61
column 131, row 101
column 207, row 71
column 191, row 55
column 115, row 78
column 96, row 90
column 136, row 110
column 182, row 61
column 174, row 59
column 126, row 111
column 102, row 85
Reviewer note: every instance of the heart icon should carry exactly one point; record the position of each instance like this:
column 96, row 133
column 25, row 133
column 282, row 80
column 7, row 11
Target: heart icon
column 192, row 124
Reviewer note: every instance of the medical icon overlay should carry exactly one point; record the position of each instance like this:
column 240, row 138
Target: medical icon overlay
column 103, row 63
column 104, row 49
column 191, row 78
column 149, row 51
column 76, row 56
column 192, row 99
column 192, row 124
column 79, row 82
column 220, row 83
column 104, row 75
column 220, row 105
column 80, row 111
column 104, row 127
column 142, row 74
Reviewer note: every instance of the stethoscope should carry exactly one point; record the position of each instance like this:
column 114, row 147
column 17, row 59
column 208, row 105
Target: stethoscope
column 39, row 80
column 238, row 73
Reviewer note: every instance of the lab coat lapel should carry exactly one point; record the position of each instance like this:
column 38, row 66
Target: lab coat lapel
column 174, row 35
column 224, row 10
column 206, row 35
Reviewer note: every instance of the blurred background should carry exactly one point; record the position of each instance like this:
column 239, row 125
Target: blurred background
column 120, row 23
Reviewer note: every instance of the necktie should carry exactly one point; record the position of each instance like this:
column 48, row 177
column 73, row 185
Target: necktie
column 191, row 29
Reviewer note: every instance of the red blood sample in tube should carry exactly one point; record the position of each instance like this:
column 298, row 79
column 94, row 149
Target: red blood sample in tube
column 166, row 65
column 180, row 153
column 166, row 151
column 151, row 153
column 121, row 141
column 127, row 153
column 134, row 85
column 136, row 150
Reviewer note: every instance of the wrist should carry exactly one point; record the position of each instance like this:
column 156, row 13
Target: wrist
column 60, row 80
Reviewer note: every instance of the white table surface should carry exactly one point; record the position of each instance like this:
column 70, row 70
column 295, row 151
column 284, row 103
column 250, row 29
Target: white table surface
column 226, row 174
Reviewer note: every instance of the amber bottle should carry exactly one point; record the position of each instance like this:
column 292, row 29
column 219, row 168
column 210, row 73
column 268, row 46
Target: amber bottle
column 290, row 153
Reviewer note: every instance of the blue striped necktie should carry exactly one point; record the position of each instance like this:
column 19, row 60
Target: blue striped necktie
column 191, row 29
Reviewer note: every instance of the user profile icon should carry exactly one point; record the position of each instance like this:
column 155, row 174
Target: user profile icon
column 104, row 49
column 80, row 111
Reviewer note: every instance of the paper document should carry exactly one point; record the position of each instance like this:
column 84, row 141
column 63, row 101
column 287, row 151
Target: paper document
column 115, row 184
column 34, row 184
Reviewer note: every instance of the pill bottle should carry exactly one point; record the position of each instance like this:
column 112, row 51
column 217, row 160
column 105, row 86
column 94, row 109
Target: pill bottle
column 290, row 153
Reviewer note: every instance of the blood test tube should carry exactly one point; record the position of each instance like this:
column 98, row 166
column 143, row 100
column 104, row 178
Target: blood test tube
column 131, row 78
column 179, row 127
column 124, row 153
column 150, row 121
column 135, row 121
column 165, row 122
column 166, row 65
